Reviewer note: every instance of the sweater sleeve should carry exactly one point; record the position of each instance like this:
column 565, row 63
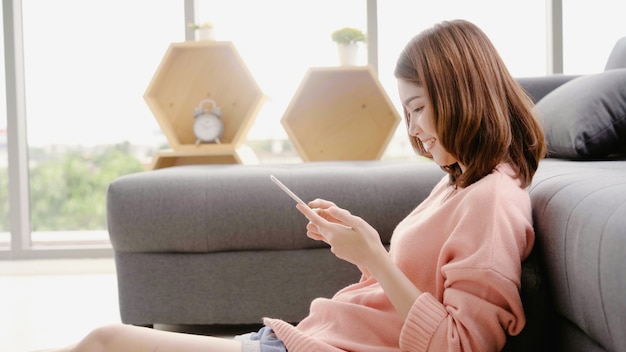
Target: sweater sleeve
column 465, row 321
column 478, row 302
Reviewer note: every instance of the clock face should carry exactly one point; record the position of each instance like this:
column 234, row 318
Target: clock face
column 208, row 127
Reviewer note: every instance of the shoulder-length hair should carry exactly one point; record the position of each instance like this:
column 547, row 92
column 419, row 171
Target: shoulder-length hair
column 482, row 115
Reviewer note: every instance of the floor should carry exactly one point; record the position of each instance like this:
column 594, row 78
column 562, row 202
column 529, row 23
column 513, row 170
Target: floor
column 53, row 303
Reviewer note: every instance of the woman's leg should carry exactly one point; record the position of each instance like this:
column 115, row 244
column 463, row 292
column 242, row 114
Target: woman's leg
column 121, row 338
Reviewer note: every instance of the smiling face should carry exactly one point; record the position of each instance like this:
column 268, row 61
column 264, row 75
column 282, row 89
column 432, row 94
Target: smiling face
column 421, row 122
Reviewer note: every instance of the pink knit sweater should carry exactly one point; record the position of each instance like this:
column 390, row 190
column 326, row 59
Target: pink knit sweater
column 463, row 249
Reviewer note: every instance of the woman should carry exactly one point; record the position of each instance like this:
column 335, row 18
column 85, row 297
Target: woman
column 451, row 279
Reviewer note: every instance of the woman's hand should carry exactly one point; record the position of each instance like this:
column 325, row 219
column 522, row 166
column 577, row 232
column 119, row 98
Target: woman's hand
column 350, row 237
column 354, row 240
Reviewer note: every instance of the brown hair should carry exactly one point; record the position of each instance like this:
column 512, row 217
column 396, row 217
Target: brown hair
column 482, row 115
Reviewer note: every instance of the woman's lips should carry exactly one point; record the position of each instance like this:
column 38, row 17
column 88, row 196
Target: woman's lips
column 428, row 143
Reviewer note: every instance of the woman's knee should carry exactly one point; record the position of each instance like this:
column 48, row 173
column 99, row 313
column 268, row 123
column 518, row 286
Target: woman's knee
column 99, row 338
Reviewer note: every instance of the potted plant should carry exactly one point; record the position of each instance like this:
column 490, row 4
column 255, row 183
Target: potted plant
column 348, row 39
column 203, row 31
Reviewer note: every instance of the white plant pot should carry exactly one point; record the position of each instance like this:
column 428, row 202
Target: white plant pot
column 205, row 34
column 348, row 54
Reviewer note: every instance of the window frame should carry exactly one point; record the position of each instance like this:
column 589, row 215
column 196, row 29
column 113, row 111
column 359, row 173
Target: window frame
column 20, row 229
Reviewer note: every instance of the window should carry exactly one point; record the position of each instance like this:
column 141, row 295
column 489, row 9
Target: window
column 87, row 65
column 590, row 30
column 517, row 30
column 279, row 40
column 5, row 236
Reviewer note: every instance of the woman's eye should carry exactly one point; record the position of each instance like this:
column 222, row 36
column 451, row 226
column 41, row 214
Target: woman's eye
column 413, row 113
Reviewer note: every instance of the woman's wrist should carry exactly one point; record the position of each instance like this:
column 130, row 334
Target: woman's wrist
column 401, row 291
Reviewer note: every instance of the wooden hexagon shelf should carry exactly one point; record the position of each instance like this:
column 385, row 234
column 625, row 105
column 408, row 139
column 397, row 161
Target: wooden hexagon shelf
column 340, row 113
column 218, row 155
column 195, row 70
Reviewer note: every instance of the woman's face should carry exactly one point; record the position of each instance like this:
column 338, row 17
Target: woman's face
column 421, row 122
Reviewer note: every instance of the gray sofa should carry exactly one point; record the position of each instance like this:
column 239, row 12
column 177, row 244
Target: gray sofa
column 220, row 244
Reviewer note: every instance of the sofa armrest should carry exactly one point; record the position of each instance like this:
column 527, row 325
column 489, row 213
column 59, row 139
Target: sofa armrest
column 211, row 208
column 539, row 86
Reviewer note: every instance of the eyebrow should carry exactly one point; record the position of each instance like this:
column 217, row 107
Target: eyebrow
column 409, row 99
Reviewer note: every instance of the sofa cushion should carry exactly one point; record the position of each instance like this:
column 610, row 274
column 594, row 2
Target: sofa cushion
column 215, row 208
column 617, row 58
column 585, row 118
column 578, row 212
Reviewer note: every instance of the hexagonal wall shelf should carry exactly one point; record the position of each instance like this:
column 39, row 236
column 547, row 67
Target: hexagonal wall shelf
column 168, row 158
column 340, row 113
column 195, row 70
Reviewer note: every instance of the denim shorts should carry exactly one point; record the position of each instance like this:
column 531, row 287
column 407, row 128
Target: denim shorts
column 262, row 341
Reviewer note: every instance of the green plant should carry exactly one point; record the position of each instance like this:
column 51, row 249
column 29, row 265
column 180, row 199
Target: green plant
column 348, row 35
column 68, row 190
column 200, row 25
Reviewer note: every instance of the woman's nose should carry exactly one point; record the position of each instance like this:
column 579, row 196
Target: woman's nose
column 414, row 128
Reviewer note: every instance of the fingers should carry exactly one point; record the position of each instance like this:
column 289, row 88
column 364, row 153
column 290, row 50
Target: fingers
column 316, row 236
column 344, row 217
column 322, row 225
column 320, row 207
column 321, row 203
column 314, row 233
column 317, row 216
column 309, row 213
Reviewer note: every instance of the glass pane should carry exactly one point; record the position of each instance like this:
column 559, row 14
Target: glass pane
column 87, row 66
column 5, row 237
column 590, row 30
column 278, row 50
column 517, row 30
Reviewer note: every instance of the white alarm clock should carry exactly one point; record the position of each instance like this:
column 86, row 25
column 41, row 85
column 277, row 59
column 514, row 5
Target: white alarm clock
column 208, row 126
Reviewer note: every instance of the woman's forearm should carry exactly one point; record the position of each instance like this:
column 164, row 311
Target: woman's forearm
column 401, row 291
